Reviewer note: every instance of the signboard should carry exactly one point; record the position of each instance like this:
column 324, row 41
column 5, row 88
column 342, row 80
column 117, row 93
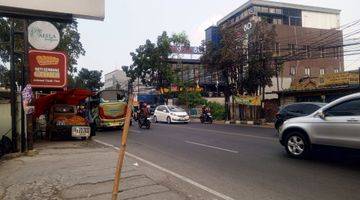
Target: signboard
column 341, row 78
column 186, row 50
column 87, row 9
column 47, row 69
column 43, row 35
column 248, row 100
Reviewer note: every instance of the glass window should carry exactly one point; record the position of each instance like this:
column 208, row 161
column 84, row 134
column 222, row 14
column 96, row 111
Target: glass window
column 310, row 108
column 278, row 11
column 295, row 21
column 271, row 10
column 277, row 49
column 349, row 108
column 293, row 70
column 322, row 52
column 336, row 70
column 322, row 71
column 292, row 49
column 175, row 109
column 307, row 71
column 296, row 108
column 307, row 51
column 265, row 9
column 277, row 21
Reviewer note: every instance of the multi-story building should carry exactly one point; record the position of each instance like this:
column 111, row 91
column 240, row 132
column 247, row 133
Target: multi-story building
column 308, row 37
column 116, row 80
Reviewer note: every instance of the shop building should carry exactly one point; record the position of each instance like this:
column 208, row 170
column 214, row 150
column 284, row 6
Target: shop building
column 308, row 37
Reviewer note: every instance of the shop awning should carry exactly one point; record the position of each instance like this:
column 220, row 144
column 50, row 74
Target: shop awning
column 70, row 97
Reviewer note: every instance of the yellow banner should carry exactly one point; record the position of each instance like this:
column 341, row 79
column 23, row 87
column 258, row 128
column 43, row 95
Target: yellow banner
column 341, row 78
column 248, row 100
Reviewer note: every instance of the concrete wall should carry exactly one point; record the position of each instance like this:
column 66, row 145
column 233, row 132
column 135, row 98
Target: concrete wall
column 5, row 118
column 220, row 100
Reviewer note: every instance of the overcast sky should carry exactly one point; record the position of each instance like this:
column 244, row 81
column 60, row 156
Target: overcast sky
column 128, row 23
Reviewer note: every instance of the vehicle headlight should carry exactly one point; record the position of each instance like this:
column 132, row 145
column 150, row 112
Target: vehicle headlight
column 60, row 123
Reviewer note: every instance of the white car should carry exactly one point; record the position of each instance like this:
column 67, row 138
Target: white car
column 170, row 114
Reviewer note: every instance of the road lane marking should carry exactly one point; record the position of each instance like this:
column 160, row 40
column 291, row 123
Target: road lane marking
column 213, row 147
column 135, row 131
column 223, row 132
column 183, row 178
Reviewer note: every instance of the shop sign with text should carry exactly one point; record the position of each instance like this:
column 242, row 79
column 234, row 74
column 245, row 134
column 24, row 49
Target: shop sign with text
column 47, row 69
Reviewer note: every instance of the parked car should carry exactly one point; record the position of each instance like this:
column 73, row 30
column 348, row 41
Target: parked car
column 336, row 124
column 170, row 114
column 296, row 110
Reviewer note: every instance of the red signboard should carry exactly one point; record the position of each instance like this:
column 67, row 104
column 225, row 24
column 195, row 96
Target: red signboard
column 47, row 69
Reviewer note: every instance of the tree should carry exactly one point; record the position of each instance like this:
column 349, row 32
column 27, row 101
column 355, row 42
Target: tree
column 88, row 79
column 261, row 69
column 4, row 76
column 150, row 61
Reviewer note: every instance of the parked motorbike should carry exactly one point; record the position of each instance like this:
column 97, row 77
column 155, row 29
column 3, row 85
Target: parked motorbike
column 144, row 122
column 206, row 118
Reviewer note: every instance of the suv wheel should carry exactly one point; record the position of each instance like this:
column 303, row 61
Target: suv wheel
column 296, row 145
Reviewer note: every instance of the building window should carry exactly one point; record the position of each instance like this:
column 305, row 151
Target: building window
column 278, row 11
column 295, row 21
column 322, row 52
column 307, row 71
column 293, row 71
column 337, row 52
column 307, row 51
column 277, row 49
column 322, row 71
column 271, row 10
column 264, row 9
column 277, row 21
column 336, row 70
column 292, row 49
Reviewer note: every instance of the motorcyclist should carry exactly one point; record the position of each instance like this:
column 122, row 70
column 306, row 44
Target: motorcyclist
column 143, row 112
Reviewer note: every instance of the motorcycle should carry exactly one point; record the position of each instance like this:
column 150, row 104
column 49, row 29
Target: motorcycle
column 206, row 118
column 144, row 122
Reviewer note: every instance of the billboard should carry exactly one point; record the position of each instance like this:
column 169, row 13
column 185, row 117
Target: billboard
column 86, row 9
column 341, row 78
column 47, row 69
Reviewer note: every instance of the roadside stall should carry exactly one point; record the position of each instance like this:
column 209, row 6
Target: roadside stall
column 66, row 114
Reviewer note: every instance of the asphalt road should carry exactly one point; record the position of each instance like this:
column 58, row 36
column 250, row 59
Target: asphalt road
column 244, row 162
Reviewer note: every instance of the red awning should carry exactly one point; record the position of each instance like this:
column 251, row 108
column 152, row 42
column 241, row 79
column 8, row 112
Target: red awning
column 70, row 97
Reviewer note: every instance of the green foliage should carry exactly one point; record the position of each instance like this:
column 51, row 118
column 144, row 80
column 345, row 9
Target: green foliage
column 150, row 61
column 261, row 69
column 192, row 98
column 217, row 110
column 4, row 76
column 87, row 79
column 195, row 99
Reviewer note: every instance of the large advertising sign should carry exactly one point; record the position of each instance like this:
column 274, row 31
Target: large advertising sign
column 341, row 78
column 47, row 69
column 87, row 9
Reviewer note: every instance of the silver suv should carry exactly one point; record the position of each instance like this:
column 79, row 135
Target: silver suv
column 336, row 124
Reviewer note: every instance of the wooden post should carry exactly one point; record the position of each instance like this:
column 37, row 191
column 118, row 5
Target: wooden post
column 122, row 149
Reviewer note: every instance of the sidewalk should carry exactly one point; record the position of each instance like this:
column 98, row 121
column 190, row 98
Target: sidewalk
column 79, row 170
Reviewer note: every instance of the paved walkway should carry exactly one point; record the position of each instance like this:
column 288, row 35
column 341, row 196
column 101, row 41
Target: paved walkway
column 78, row 170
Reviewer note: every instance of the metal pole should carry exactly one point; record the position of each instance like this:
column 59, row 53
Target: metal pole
column 122, row 150
column 13, row 88
column 23, row 84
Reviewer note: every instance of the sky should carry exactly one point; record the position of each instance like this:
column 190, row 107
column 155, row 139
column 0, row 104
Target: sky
column 128, row 23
